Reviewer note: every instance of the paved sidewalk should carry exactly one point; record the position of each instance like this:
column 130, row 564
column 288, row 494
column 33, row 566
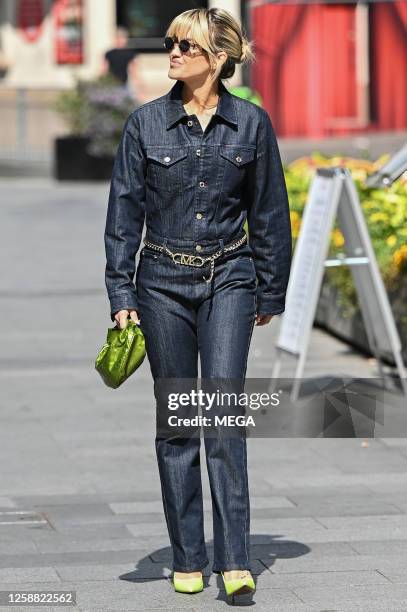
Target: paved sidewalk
column 80, row 502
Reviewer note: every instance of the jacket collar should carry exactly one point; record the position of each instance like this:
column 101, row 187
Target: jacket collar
column 176, row 111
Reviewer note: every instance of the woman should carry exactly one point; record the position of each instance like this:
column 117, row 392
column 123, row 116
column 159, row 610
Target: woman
column 194, row 164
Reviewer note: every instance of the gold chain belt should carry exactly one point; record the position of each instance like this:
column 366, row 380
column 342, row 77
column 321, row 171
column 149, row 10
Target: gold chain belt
column 186, row 259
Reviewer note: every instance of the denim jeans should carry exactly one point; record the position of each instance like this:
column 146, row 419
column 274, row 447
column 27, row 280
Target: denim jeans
column 183, row 316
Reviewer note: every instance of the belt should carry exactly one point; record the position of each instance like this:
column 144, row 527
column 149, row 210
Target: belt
column 186, row 259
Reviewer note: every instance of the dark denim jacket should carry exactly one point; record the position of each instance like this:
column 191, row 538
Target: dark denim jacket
column 167, row 170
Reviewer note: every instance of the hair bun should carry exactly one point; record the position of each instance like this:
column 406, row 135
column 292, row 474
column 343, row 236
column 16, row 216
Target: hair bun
column 246, row 50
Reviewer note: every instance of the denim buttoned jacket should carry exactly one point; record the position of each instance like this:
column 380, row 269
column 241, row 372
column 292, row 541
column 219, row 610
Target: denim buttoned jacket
column 190, row 185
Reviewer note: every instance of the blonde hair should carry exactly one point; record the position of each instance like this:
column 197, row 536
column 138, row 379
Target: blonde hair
column 214, row 30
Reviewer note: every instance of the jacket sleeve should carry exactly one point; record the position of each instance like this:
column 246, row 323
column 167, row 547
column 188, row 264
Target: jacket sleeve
column 125, row 218
column 269, row 227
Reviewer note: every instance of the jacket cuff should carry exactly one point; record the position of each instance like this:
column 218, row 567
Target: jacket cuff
column 270, row 304
column 121, row 301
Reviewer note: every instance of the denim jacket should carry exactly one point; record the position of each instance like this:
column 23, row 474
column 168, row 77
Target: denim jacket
column 189, row 184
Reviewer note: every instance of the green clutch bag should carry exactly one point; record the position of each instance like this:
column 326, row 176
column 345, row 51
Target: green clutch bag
column 122, row 353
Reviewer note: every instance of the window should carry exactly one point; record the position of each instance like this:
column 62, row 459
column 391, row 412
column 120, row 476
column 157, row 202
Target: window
column 147, row 20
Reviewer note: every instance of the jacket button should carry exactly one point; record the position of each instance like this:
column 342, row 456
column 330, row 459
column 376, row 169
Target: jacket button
column 198, row 247
column 199, row 215
column 198, row 152
column 167, row 159
column 238, row 159
column 201, row 183
column 190, row 123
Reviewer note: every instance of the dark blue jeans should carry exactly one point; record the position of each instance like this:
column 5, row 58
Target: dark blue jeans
column 182, row 316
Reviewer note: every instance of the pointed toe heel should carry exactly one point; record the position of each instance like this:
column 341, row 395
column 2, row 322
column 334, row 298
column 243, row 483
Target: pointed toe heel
column 239, row 586
column 188, row 585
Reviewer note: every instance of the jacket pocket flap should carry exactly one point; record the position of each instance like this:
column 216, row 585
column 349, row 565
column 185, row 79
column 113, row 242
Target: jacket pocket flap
column 167, row 156
column 238, row 155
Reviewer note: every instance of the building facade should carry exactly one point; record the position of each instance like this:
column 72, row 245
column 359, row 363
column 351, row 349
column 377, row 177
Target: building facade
column 47, row 43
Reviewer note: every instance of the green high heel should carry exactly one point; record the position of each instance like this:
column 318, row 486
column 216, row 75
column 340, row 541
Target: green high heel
column 188, row 585
column 239, row 586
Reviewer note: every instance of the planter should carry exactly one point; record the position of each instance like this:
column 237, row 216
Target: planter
column 330, row 316
column 72, row 162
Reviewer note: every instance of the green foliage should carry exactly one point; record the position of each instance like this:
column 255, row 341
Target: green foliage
column 97, row 109
column 247, row 94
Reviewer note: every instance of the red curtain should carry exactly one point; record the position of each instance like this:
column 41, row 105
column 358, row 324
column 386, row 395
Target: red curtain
column 273, row 28
column 305, row 69
column 389, row 65
column 401, row 11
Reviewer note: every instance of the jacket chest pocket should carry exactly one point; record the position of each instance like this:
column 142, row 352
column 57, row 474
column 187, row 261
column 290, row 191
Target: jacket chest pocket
column 236, row 159
column 165, row 168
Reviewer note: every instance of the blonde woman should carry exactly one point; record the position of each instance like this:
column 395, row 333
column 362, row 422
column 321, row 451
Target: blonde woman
column 193, row 165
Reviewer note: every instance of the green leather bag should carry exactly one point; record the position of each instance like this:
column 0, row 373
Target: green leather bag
column 122, row 353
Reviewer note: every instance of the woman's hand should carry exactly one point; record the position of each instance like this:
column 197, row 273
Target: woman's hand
column 263, row 319
column 122, row 316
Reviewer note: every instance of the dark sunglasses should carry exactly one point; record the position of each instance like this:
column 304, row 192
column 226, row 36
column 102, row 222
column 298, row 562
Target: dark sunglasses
column 184, row 44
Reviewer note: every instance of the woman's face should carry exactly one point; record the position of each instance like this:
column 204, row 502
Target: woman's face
column 190, row 65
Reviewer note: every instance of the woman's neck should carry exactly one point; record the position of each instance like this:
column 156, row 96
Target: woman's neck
column 205, row 111
column 200, row 100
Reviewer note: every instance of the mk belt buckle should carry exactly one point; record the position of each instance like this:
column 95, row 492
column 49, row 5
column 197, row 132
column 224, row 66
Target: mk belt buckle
column 188, row 260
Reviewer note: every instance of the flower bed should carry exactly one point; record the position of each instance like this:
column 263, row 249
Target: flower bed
column 385, row 211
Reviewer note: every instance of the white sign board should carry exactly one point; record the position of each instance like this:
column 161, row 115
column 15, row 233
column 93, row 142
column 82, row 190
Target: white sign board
column 332, row 194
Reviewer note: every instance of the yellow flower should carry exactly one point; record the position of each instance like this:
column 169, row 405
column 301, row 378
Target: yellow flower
column 369, row 204
column 400, row 255
column 338, row 238
column 295, row 223
column 358, row 174
column 391, row 240
column 378, row 216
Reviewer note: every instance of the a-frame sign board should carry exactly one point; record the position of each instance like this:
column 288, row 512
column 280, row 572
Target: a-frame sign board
column 333, row 193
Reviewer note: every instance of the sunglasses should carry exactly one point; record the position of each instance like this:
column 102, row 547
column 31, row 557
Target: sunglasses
column 184, row 44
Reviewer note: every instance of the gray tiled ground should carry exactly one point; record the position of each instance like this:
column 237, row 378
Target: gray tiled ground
column 329, row 516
